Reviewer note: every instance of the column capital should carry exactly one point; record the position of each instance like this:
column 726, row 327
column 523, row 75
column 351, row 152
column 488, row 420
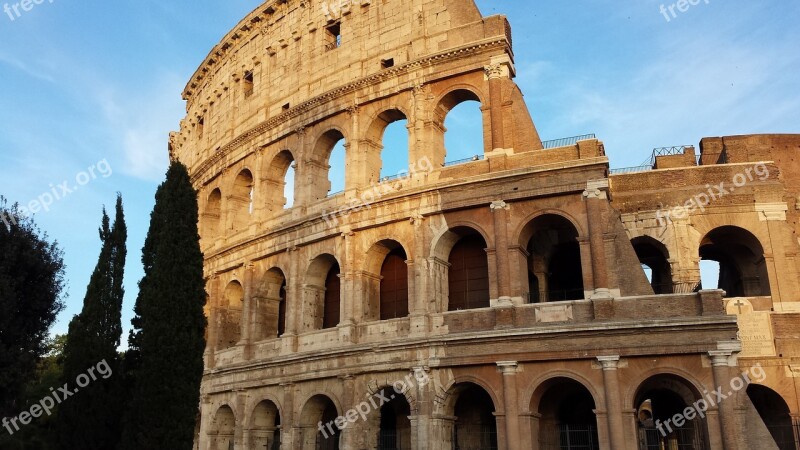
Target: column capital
column 508, row 367
column 609, row 362
column 596, row 189
column 719, row 358
column 499, row 205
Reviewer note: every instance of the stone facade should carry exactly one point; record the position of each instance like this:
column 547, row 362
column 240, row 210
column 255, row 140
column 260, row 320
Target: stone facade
column 498, row 303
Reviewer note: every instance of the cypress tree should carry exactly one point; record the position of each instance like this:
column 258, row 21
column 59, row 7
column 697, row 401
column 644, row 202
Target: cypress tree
column 166, row 345
column 91, row 420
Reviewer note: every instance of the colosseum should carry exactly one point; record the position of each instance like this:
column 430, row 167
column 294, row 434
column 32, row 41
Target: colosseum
column 525, row 298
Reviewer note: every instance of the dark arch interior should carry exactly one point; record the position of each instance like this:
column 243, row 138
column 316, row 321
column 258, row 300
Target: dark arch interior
column 652, row 254
column 475, row 426
column 555, row 272
column 332, row 307
column 568, row 421
column 776, row 415
column 468, row 275
column 394, row 285
column 742, row 267
column 395, row 425
column 659, row 400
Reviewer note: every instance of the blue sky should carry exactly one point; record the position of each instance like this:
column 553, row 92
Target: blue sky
column 91, row 82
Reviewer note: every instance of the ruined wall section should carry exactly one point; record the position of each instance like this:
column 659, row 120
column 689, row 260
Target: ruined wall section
column 278, row 62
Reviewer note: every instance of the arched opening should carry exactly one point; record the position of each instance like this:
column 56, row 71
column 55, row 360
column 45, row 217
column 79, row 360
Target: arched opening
column 230, row 315
column 567, row 420
column 386, row 282
column 742, row 267
column 654, row 256
column 280, row 178
column 468, row 275
column 212, row 215
column 241, row 200
column 394, row 285
column 776, row 416
column 554, row 268
column 391, row 423
column 388, row 147
column 270, row 306
column 475, row 427
column 462, row 127
column 223, row 427
column 658, row 401
column 333, row 288
column 329, row 163
column 317, row 423
column 265, row 431
column 322, row 294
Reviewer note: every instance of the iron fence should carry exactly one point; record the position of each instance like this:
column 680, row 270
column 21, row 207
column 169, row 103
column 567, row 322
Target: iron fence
column 687, row 438
column 469, row 439
column 563, row 142
column 570, row 437
column 463, row 161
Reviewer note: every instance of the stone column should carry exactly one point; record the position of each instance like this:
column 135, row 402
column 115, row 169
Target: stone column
column 294, row 302
column 500, row 210
column 722, row 377
column 596, row 198
column 213, row 322
column 288, row 429
column 349, row 434
column 510, row 396
column 495, row 74
column 247, row 312
column 348, row 298
column 420, row 416
column 610, row 365
column 796, row 428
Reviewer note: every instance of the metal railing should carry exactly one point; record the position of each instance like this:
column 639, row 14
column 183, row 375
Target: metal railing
column 563, row 142
column 463, row 161
column 676, row 288
column 474, row 439
column 392, row 440
column 559, row 295
column 334, row 194
column 570, row 437
column 687, row 438
column 637, row 169
column 399, row 176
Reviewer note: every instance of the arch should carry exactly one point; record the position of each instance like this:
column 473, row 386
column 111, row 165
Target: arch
column 322, row 296
column 270, row 306
column 658, row 399
column 468, row 273
column 387, row 158
column 775, row 413
column 391, row 422
column 265, row 427
column 655, row 255
column 321, row 166
column 212, row 214
column 240, row 202
column 459, row 143
column 317, row 424
column 473, row 410
column 565, row 417
column 743, row 268
column 230, row 315
column 280, row 178
column 554, row 262
column 386, row 281
column 223, row 428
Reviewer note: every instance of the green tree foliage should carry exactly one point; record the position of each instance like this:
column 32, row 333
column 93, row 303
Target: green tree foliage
column 90, row 420
column 167, row 342
column 31, row 282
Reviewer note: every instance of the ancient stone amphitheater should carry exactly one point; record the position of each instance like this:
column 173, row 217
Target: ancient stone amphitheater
column 494, row 303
